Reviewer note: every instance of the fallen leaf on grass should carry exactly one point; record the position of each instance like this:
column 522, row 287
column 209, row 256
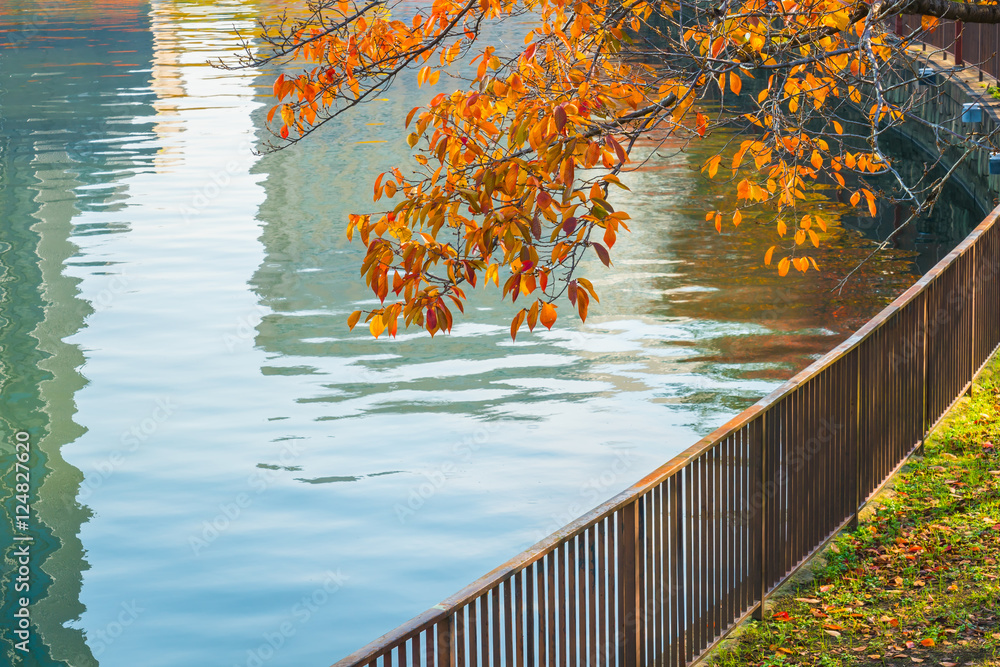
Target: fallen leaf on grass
column 807, row 600
column 832, row 633
column 927, row 642
column 826, row 589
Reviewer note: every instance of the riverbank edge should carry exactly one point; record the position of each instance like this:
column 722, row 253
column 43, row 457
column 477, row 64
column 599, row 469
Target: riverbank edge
column 918, row 580
column 750, row 643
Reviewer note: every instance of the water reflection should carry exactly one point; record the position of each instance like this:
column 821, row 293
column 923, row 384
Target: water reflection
column 62, row 106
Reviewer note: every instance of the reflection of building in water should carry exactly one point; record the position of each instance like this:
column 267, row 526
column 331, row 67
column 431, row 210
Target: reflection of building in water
column 66, row 65
column 166, row 80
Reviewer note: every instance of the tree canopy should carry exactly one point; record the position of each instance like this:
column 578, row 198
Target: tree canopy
column 516, row 161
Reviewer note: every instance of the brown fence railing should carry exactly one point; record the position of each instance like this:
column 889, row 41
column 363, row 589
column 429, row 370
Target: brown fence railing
column 659, row 573
column 968, row 43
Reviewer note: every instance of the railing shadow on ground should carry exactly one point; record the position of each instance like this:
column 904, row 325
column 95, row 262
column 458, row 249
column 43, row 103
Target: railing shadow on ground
column 661, row 572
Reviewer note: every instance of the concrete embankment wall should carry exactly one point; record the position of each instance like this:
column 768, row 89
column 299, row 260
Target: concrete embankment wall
column 942, row 105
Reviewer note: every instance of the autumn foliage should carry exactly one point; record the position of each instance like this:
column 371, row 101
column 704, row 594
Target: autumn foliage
column 516, row 167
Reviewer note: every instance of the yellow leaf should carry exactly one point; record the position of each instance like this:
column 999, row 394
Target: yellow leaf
column 768, row 255
column 783, row 267
column 817, row 160
column 814, row 238
column 838, row 127
column 376, row 326
column 800, row 236
column 782, row 228
column 819, row 222
column 737, row 218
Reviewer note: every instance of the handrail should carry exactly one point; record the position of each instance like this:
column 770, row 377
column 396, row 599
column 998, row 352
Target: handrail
column 651, row 529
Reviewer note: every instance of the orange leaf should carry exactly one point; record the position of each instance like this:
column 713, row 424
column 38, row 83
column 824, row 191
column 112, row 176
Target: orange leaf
column 353, row 319
column 768, row 255
column 548, row 317
column 927, row 642
column 783, row 266
column 734, row 83
column 515, row 324
column 701, row 124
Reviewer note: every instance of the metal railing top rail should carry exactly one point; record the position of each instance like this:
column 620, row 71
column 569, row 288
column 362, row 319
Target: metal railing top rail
column 502, row 573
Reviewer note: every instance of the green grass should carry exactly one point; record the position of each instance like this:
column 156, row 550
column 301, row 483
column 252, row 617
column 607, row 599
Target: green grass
column 992, row 91
column 918, row 581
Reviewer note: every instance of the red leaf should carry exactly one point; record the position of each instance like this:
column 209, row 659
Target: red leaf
column 602, row 253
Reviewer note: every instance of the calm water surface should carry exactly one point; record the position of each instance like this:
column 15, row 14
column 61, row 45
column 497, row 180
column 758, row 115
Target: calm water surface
column 222, row 473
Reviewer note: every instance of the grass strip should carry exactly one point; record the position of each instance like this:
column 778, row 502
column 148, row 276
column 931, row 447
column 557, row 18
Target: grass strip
column 917, row 582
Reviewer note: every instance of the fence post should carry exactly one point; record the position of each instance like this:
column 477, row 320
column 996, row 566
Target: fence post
column 762, row 511
column 857, row 445
column 628, row 585
column 926, row 378
column 972, row 304
column 959, row 60
column 445, row 637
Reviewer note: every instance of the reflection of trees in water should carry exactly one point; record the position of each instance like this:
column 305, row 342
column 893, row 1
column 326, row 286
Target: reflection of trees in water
column 54, row 107
column 722, row 277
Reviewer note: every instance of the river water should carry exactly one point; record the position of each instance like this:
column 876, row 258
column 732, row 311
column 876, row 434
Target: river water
column 222, row 474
